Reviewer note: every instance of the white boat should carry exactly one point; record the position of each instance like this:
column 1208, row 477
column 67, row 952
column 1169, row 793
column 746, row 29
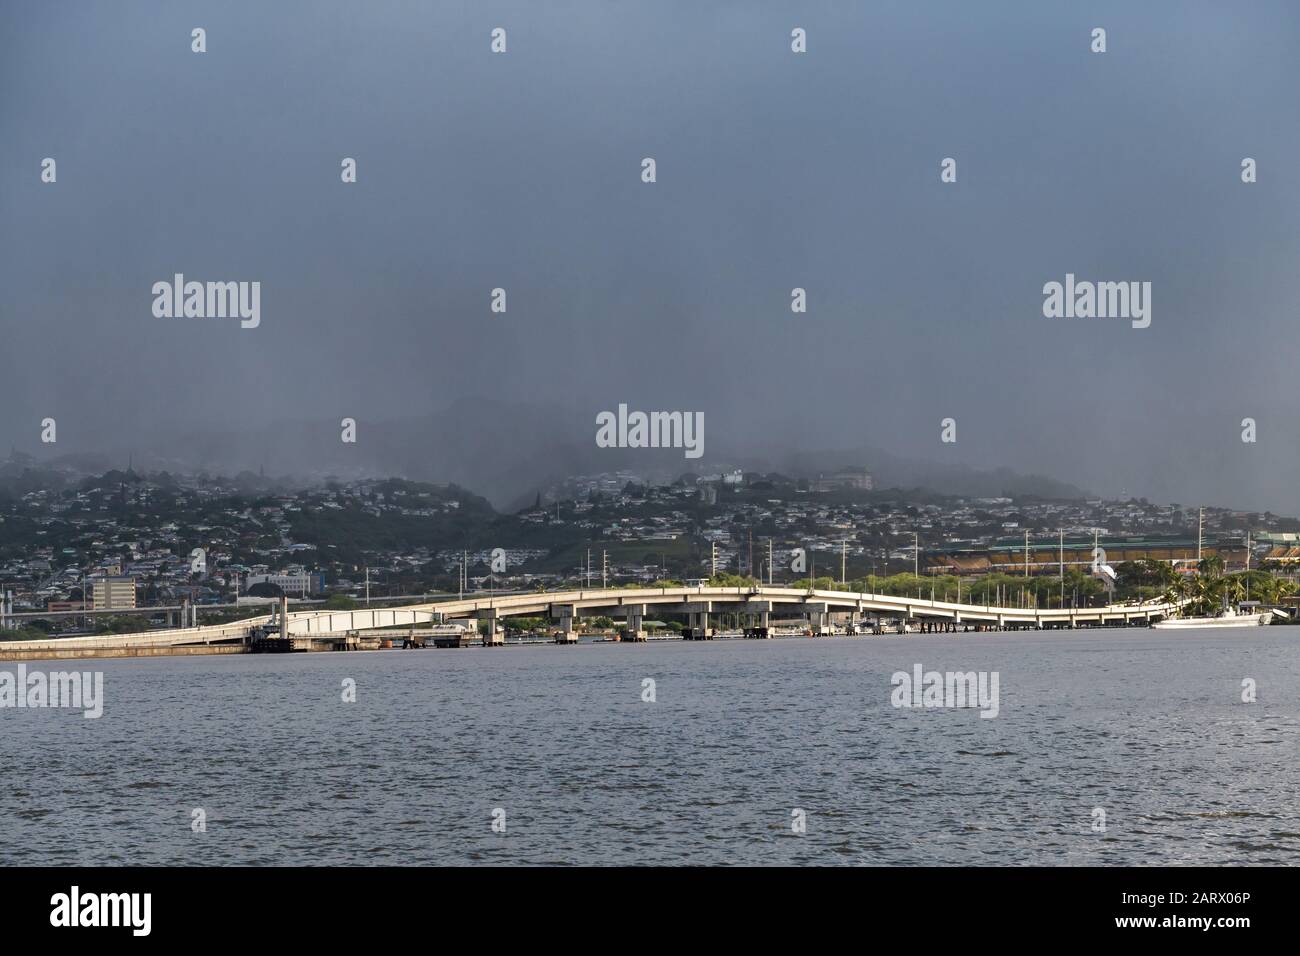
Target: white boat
column 1229, row 618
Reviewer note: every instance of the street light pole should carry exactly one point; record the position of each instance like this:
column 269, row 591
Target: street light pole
column 1061, row 532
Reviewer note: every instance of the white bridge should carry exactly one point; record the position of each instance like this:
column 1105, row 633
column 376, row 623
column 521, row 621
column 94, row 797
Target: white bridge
column 563, row 608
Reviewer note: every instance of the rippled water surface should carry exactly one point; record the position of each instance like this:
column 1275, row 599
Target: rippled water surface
column 1150, row 728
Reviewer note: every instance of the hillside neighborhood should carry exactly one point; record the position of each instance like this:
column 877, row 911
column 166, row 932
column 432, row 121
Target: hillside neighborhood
column 128, row 541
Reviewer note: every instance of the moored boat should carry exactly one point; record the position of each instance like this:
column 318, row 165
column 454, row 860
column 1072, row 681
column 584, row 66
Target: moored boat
column 1229, row 618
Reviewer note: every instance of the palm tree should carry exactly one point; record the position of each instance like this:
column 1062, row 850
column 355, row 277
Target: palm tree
column 1233, row 589
column 1271, row 590
column 1177, row 590
column 1211, row 565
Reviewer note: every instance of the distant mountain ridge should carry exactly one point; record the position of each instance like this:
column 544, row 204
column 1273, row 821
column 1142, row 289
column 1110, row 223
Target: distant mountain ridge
column 509, row 453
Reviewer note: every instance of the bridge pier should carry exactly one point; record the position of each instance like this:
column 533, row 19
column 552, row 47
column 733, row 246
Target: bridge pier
column 759, row 615
column 565, row 614
column 634, row 631
column 817, row 616
column 698, row 622
column 495, row 636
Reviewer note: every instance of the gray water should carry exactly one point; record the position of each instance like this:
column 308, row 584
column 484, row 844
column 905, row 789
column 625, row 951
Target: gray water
column 1150, row 728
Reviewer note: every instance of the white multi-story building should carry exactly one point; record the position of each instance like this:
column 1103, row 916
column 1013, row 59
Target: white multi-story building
column 112, row 593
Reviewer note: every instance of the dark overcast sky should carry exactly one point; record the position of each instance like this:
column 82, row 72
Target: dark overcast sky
column 775, row 170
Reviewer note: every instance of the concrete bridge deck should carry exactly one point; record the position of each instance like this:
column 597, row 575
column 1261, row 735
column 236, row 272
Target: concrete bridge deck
column 630, row 604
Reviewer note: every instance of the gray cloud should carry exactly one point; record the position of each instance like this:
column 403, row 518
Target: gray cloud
column 775, row 171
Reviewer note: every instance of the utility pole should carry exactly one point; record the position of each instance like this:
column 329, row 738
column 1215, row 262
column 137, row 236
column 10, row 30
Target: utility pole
column 769, row 562
column 1062, row 559
column 1026, row 552
column 1200, row 527
column 1096, row 557
column 1247, row 564
column 916, row 555
column 367, row 587
column 604, row 570
column 589, row 569
column 844, row 553
column 713, row 559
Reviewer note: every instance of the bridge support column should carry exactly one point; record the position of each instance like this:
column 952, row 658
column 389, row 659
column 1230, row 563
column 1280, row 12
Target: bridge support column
column 565, row 615
column 634, row 631
column 817, row 615
column 495, row 637
column 698, row 621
